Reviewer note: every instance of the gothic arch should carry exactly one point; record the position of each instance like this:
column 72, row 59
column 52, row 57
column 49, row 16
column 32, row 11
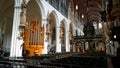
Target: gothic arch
column 109, row 49
column 101, row 46
column 6, row 23
column 33, row 11
column 76, row 31
column 78, row 46
column 34, row 31
column 41, row 8
column 51, row 32
column 56, row 18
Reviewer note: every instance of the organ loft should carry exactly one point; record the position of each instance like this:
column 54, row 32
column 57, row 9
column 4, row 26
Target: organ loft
column 33, row 36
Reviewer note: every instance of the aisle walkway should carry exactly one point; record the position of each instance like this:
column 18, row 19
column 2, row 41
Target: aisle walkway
column 110, row 65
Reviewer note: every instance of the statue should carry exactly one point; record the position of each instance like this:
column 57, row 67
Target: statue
column 23, row 22
column 23, row 14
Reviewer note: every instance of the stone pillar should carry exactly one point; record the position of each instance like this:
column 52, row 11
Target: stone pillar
column 58, row 45
column 67, row 41
column 15, row 42
column 96, row 44
column 46, row 38
column 45, row 21
column 7, row 34
column 83, row 44
column 98, row 30
column 45, row 51
column 74, row 47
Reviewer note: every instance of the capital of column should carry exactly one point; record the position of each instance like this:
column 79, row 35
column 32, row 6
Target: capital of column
column 17, row 7
column 57, row 26
column 18, row 3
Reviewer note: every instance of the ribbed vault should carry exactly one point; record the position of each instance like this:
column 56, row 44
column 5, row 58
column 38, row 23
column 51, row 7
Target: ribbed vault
column 89, row 8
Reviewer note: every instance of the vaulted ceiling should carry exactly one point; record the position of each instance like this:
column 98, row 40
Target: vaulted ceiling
column 89, row 8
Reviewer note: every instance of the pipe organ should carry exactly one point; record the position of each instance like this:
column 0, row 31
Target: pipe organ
column 33, row 39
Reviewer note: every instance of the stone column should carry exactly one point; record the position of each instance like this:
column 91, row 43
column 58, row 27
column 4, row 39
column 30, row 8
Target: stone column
column 15, row 43
column 73, row 46
column 95, row 44
column 83, row 44
column 98, row 30
column 46, row 37
column 67, row 41
column 58, row 45
column 45, row 50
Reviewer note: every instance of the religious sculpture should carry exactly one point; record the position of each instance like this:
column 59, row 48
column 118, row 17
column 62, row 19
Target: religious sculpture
column 23, row 14
column 23, row 22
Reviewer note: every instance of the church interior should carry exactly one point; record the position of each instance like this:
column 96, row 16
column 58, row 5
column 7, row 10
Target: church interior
column 59, row 33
